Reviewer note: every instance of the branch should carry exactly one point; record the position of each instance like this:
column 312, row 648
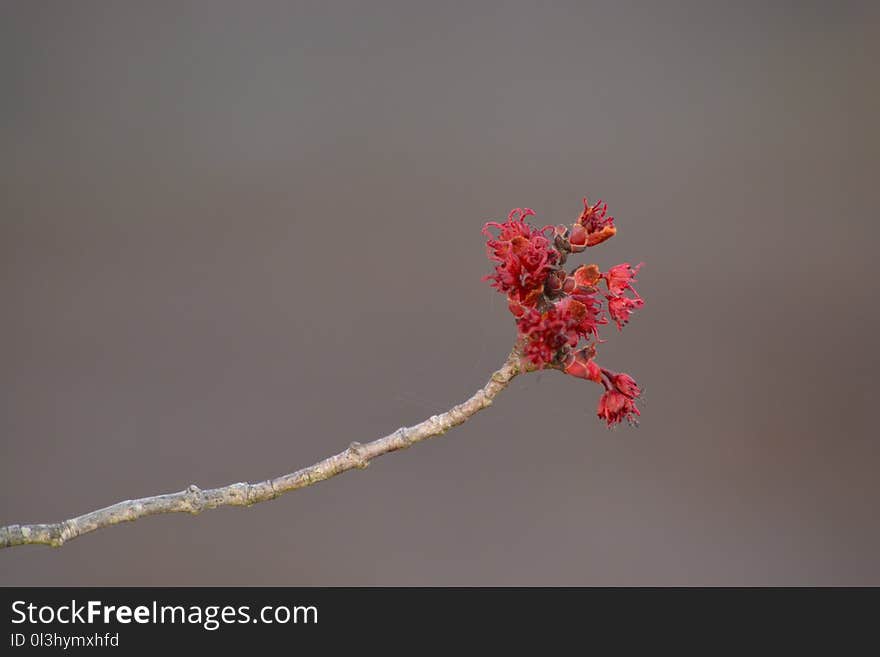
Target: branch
column 194, row 500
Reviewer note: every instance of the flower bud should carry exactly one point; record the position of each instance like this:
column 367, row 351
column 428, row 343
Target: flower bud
column 587, row 275
column 625, row 384
column 581, row 365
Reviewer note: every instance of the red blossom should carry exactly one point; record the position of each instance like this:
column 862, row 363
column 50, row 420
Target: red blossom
column 615, row 407
column 620, row 308
column 624, row 384
column 598, row 226
column 621, row 277
column 562, row 325
column 619, row 280
column 524, row 255
column 592, row 317
column 555, row 311
column 544, row 335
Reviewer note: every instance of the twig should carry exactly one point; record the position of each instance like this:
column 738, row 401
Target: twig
column 195, row 500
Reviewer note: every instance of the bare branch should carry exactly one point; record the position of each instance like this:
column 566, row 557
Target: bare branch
column 195, row 500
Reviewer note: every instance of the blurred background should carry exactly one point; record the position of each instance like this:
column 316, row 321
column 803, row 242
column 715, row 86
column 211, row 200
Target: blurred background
column 235, row 237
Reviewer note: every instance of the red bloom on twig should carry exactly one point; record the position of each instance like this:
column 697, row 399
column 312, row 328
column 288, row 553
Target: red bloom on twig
column 556, row 311
column 615, row 407
column 620, row 308
column 524, row 256
column 621, row 277
column 543, row 335
column 619, row 280
column 623, row 383
column 598, row 226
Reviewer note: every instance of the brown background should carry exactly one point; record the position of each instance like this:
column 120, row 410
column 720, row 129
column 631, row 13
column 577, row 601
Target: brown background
column 234, row 237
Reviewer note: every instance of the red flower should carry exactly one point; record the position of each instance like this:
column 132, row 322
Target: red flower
column 615, row 407
column 621, row 277
column 544, row 335
column 524, row 255
column 588, row 320
column 561, row 325
column 598, row 226
column 624, row 384
column 620, row 308
column 556, row 311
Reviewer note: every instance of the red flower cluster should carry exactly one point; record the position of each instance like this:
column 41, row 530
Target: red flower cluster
column 525, row 257
column 620, row 279
column 555, row 310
